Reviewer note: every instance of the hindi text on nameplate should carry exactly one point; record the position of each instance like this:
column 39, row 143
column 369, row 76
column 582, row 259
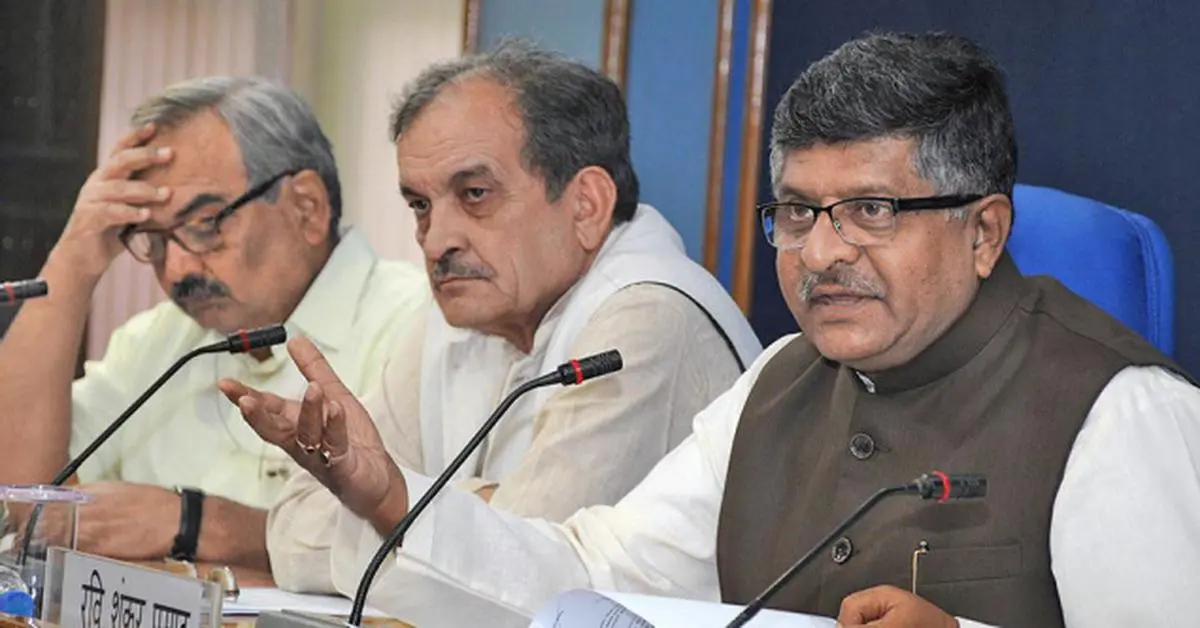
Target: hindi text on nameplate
column 102, row 593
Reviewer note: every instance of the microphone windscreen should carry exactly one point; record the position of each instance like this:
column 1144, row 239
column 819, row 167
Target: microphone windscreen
column 967, row 485
column 581, row 370
column 945, row 486
column 243, row 341
column 13, row 291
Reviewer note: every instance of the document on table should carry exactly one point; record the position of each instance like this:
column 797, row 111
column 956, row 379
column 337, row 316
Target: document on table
column 603, row 609
column 253, row 601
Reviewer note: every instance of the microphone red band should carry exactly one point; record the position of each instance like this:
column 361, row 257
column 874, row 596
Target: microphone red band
column 578, row 371
column 945, row 485
column 245, row 340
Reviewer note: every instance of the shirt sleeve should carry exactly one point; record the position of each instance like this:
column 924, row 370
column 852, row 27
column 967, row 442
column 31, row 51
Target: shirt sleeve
column 1123, row 541
column 301, row 523
column 464, row 560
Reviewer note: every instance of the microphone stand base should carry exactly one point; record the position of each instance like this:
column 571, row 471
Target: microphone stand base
column 296, row 619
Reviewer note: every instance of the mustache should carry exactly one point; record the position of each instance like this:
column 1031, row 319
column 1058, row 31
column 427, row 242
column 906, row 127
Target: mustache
column 449, row 267
column 841, row 277
column 197, row 288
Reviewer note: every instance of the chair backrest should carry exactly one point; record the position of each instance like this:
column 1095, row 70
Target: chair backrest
column 1115, row 258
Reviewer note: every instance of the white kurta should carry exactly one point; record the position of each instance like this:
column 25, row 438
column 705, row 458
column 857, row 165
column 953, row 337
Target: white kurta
column 558, row 449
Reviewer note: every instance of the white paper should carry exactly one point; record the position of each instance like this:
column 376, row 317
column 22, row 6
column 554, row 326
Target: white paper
column 253, row 601
column 604, row 609
column 586, row 609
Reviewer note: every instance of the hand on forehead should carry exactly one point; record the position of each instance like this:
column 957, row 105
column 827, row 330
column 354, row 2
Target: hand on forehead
column 206, row 171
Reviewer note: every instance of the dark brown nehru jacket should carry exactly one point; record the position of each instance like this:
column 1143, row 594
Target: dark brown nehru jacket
column 1004, row 392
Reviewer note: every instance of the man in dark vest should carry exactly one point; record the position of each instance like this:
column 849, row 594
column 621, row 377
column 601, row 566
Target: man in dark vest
column 893, row 162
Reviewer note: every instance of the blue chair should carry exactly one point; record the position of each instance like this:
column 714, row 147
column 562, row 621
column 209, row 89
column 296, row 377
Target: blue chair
column 1115, row 258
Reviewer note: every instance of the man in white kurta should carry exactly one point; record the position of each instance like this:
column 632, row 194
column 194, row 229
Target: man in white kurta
column 531, row 267
column 551, row 455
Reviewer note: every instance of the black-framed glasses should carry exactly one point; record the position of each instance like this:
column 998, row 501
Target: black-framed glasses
column 861, row 221
column 194, row 235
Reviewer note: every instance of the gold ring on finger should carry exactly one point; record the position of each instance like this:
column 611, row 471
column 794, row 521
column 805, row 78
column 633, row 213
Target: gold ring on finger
column 329, row 459
column 306, row 448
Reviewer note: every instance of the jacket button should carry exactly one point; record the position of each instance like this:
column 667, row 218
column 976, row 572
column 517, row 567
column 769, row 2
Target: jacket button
column 841, row 550
column 862, row 446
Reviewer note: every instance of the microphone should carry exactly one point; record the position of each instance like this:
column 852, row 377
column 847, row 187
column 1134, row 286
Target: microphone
column 241, row 341
column 571, row 373
column 933, row 485
column 16, row 291
column 947, row 486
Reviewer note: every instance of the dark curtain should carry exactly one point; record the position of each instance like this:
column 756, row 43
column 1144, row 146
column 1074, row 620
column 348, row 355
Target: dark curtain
column 50, row 65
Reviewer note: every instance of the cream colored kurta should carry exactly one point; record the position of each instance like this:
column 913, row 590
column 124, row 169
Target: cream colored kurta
column 188, row 434
column 590, row 444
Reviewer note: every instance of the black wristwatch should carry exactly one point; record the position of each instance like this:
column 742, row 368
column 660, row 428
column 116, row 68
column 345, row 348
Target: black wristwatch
column 191, row 509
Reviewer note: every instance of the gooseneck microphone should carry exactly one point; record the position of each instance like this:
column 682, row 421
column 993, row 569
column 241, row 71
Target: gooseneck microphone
column 569, row 374
column 932, row 485
column 16, row 291
column 242, row 341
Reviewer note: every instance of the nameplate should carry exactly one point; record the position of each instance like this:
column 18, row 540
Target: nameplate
column 101, row 593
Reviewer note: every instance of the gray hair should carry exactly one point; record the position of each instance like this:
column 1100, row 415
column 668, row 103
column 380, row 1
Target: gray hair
column 941, row 90
column 276, row 131
column 573, row 116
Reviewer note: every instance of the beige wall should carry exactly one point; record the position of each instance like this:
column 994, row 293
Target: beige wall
column 367, row 51
column 348, row 57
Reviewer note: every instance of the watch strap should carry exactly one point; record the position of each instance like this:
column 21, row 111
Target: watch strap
column 191, row 510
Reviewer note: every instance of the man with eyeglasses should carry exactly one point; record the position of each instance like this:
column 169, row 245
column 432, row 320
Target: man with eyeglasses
column 227, row 188
column 893, row 160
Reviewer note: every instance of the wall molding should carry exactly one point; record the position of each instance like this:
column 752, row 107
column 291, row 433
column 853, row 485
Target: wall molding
column 716, row 145
column 615, row 55
column 752, row 129
column 470, row 33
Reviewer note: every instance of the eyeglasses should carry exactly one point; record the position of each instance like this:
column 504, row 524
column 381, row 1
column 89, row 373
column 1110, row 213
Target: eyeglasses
column 196, row 235
column 863, row 221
